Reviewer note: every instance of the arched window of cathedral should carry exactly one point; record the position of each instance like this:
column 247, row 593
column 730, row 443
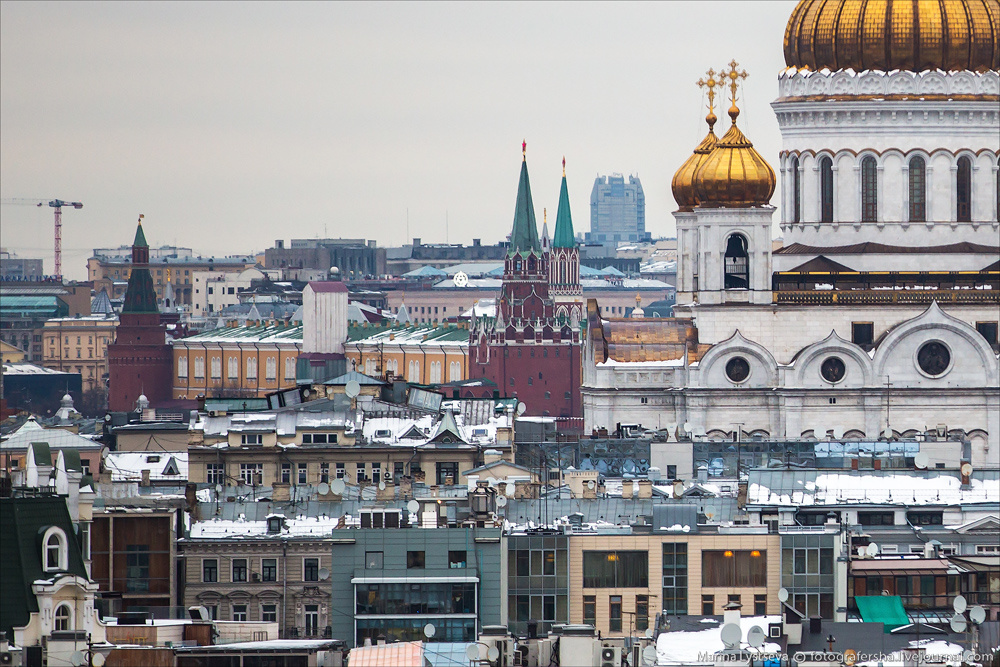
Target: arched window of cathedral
column 796, row 192
column 737, row 263
column 963, row 189
column 826, row 189
column 918, row 189
column 869, row 190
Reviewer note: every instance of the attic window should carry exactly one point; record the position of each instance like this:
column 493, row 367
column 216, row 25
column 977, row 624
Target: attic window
column 153, row 459
column 54, row 550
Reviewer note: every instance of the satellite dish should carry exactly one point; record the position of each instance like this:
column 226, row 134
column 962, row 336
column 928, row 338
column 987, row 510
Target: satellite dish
column 731, row 635
column 958, row 623
column 78, row 658
column 352, row 388
column 502, row 501
column 649, row 655
column 472, row 652
column 782, row 595
column 755, row 637
column 921, row 460
column 966, row 469
column 687, row 427
column 649, row 633
column 887, row 434
column 429, row 630
column 413, row 506
column 509, row 489
column 977, row 614
column 337, row 486
column 324, row 488
column 959, row 604
column 591, row 485
column 492, row 653
column 324, row 573
column 872, row 550
column 521, row 407
column 97, row 659
column 461, row 279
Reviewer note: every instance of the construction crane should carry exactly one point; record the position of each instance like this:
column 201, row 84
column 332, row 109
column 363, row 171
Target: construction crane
column 56, row 204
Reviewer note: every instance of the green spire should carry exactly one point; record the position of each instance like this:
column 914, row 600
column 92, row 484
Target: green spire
column 563, row 238
column 524, row 236
column 140, row 237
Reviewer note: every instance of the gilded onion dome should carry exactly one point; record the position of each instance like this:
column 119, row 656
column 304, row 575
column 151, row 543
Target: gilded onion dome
column 683, row 183
column 734, row 175
column 885, row 35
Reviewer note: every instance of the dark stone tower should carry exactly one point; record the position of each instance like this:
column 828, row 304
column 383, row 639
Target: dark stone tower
column 139, row 361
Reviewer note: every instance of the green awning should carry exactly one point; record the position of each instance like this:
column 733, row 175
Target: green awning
column 885, row 609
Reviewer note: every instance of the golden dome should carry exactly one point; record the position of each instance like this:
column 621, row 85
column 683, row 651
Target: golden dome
column 911, row 35
column 733, row 175
column 683, row 183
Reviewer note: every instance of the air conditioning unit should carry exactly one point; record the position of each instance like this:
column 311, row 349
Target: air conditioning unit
column 387, row 476
column 609, row 656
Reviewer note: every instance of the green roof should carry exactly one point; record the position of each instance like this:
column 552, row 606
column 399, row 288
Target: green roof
column 140, row 295
column 885, row 609
column 564, row 237
column 140, row 237
column 524, row 235
column 42, row 453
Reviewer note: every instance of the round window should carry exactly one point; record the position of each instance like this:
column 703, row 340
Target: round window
column 737, row 369
column 934, row 358
column 833, row 369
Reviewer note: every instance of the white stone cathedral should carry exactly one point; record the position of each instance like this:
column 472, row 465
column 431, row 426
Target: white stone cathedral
column 878, row 316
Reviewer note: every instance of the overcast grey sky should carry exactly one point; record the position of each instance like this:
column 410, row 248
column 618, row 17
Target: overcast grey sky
column 231, row 125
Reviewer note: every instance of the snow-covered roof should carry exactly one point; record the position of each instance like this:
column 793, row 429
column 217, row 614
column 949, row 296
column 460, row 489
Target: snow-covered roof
column 300, row 526
column 57, row 438
column 693, row 647
column 163, row 466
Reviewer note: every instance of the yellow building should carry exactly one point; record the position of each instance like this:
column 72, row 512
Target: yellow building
column 79, row 345
column 249, row 361
column 417, row 354
column 11, row 354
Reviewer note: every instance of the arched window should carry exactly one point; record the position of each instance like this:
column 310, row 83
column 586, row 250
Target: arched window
column 918, row 189
column 413, row 374
column 796, row 192
column 199, row 367
column 271, row 368
column 737, row 263
column 252, row 368
column 454, row 371
column 963, row 189
column 826, row 189
column 54, row 550
column 869, row 189
column 64, row 618
column 182, row 367
column 289, row 368
column 233, row 368
column 216, row 365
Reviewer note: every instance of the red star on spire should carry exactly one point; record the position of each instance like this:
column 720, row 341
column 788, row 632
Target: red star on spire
column 524, row 147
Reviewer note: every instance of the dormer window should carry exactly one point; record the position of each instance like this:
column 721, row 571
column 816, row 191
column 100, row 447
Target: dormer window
column 63, row 618
column 54, row 550
column 274, row 524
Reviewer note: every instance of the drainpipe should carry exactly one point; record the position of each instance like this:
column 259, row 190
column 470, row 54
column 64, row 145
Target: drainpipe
column 284, row 587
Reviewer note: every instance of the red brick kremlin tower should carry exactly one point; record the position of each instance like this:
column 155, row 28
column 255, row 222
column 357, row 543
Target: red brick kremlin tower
column 526, row 349
column 139, row 361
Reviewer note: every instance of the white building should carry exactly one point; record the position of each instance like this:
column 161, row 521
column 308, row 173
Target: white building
column 880, row 313
column 214, row 290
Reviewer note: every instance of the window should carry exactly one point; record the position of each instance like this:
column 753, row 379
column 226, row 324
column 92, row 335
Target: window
column 615, row 613
column 269, row 612
column 310, row 569
column 324, row 472
column 271, row 368
column 456, row 559
column 447, row 472
column 209, row 570
column 216, row 365
column 64, row 618
column 84, row 532
column 826, row 189
column 252, row 439
column 286, row 473
column 732, row 569
column 268, row 569
column 641, row 612
column 759, row 605
column 590, row 609
column 615, row 569
column 360, row 475
column 182, row 367
column 796, row 191
column 199, row 368
column 239, row 612
column 675, row 578
column 232, row 368
column 863, row 333
column 374, row 560
column 918, row 189
column 239, row 569
column 414, row 560
column 213, row 473
column 252, row 368
column 737, row 263
column 963, row 189
column 303, row 473
column 54, row 550
column 341, row 472
column 988, row 330
column 876, row 518
column 312, row 619
column 250, row 473
column 924, row 518
column 671, row 472
column 707, row 605
column 137, row 568
column 869, row 189
column 289, row 368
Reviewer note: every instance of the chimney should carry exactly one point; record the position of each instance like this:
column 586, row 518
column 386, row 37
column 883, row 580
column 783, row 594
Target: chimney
column 702, row 474
column 645, row 490
column 854, row 464
column 628, row 489
column 731, row 613
column 145, row 477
